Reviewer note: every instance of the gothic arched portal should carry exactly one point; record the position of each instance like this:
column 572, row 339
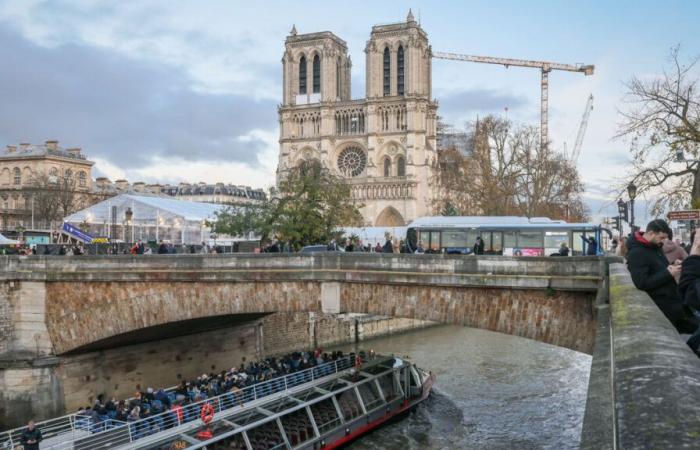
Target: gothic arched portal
column 389, row 217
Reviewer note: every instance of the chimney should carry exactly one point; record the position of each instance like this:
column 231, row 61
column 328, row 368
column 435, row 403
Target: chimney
column 139, row 186
column 75, row 151
column 103, row 181
column 23, row 146
column 11, row 149
column 122, row 185
column 52, row 145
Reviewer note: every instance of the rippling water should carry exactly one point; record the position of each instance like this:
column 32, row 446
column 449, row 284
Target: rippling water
column 493, row 391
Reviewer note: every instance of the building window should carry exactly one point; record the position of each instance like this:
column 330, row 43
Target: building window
column 18, row 176
column 399, row 70
column 82, row 179
column 352, row 161
column 302, row 75
column 400, row 166
column 337, row 79
column 317, row 75
column 387, row 167
column 68, row 174
column 387, row 71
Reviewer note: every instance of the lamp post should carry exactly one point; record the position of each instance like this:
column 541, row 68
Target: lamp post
column 620, row 214
column 128, row 215
column 632, row 192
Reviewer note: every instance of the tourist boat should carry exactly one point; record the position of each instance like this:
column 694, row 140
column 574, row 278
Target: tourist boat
column 324, row 407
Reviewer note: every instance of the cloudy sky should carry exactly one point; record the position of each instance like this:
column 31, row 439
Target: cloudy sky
column 188, row 90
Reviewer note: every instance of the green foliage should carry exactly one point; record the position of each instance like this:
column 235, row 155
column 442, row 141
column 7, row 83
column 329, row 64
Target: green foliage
column 308, row 206
column 449, row 210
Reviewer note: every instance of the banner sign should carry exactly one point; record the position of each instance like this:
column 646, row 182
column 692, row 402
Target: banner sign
column 77, row 233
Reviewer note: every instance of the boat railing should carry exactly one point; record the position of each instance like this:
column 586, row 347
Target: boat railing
column 325, row 426
column 76, row 432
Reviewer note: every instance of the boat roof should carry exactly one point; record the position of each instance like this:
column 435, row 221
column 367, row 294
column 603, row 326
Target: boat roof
column 494, row 221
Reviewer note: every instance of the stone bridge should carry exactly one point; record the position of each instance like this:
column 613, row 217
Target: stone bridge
column 56, row 313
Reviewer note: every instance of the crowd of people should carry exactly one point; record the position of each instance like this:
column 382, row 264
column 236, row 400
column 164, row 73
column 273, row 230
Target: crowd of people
column 669, row 271
column 151, row 402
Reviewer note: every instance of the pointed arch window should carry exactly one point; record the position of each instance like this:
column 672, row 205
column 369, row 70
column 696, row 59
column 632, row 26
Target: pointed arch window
column 317, row 75
column 400, row 70
column 302, row 75
column 387, row 71
column 401, row 166
column 337, row 79
column 387, row 167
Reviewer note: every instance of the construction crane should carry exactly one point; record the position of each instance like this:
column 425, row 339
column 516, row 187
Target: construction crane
column 581, row 131
column 545, row 68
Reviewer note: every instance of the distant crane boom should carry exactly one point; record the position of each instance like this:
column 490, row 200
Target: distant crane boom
column 544, row 66
column 582, row 130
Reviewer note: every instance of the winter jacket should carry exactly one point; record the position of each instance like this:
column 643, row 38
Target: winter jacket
column 649, row 269
column 689, row 285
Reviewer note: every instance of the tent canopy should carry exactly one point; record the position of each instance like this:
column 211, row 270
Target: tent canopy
column 6, row 241
column 145, row 208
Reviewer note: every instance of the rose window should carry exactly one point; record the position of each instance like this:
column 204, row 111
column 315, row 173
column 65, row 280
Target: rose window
column 352, row 161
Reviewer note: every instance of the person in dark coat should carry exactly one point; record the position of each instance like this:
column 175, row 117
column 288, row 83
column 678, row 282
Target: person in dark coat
column 652, row 273
column 162, row 248
column 388, row 247
column 592, row 249
column 31, row 436
column 478, row 246
column 689, row 287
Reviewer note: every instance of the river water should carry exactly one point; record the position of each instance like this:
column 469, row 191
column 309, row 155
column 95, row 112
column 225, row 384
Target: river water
column 493, row 391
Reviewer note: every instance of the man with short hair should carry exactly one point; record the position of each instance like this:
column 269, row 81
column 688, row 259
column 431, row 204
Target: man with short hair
column 31, row 436
column 652, row 273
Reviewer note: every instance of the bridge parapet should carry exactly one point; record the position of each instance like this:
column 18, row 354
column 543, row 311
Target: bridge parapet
column 580, row 273
column 644, row 390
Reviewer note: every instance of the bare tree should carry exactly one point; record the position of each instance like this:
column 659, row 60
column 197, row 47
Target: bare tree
column 662, row 120
column 507, row 173
column 54, row 196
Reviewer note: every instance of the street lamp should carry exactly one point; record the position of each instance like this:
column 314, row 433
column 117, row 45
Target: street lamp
column 128, row 215
column 621, row 212
column 632, row 192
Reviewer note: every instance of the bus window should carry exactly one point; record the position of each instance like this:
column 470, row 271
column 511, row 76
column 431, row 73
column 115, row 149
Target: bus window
column 486, row 236
column 578, row 243
column 435, row 241
column 471, row 237
column 530, row 239
column 554, row 239
column 509, row 239
column 453, row 238
column 424, row 238
column 497, row 243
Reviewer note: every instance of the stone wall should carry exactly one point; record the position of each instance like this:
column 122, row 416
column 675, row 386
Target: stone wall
column 29, row 392
column 285, row 332
column 6, row 316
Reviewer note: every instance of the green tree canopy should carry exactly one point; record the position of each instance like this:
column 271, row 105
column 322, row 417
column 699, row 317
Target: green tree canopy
column 306, row 208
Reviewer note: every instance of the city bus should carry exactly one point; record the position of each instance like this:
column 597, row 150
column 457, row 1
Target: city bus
column 502, row 235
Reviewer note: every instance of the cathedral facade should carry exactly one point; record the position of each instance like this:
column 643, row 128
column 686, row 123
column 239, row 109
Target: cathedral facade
column 383, row 144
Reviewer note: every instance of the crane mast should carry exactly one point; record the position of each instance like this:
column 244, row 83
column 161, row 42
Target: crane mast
column 544, row 66
column 582, row 130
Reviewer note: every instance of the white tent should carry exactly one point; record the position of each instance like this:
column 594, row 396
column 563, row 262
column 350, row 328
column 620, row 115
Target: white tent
column 132, row 217
column 6, row 241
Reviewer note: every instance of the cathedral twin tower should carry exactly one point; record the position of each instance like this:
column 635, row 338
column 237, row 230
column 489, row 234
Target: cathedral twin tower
column 384, row 144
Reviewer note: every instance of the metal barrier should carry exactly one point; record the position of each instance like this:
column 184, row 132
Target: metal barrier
column 78, row 432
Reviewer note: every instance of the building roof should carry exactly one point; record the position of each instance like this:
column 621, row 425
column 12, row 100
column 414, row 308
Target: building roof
column 38, row 150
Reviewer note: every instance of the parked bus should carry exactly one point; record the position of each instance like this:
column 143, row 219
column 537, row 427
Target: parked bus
column 502, row 235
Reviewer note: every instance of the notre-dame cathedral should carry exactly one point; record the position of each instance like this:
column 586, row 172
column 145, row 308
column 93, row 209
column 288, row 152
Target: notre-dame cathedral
column 384, row 144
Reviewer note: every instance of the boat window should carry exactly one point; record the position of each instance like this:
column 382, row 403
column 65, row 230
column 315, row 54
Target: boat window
column 424, row 238
column 453, row 238
column 509, row 239
column 530, row 239
column 412, row 238
column 471, row 237
column 486, row 236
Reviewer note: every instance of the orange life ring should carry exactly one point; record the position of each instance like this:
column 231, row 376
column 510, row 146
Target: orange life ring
column 207, row 413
